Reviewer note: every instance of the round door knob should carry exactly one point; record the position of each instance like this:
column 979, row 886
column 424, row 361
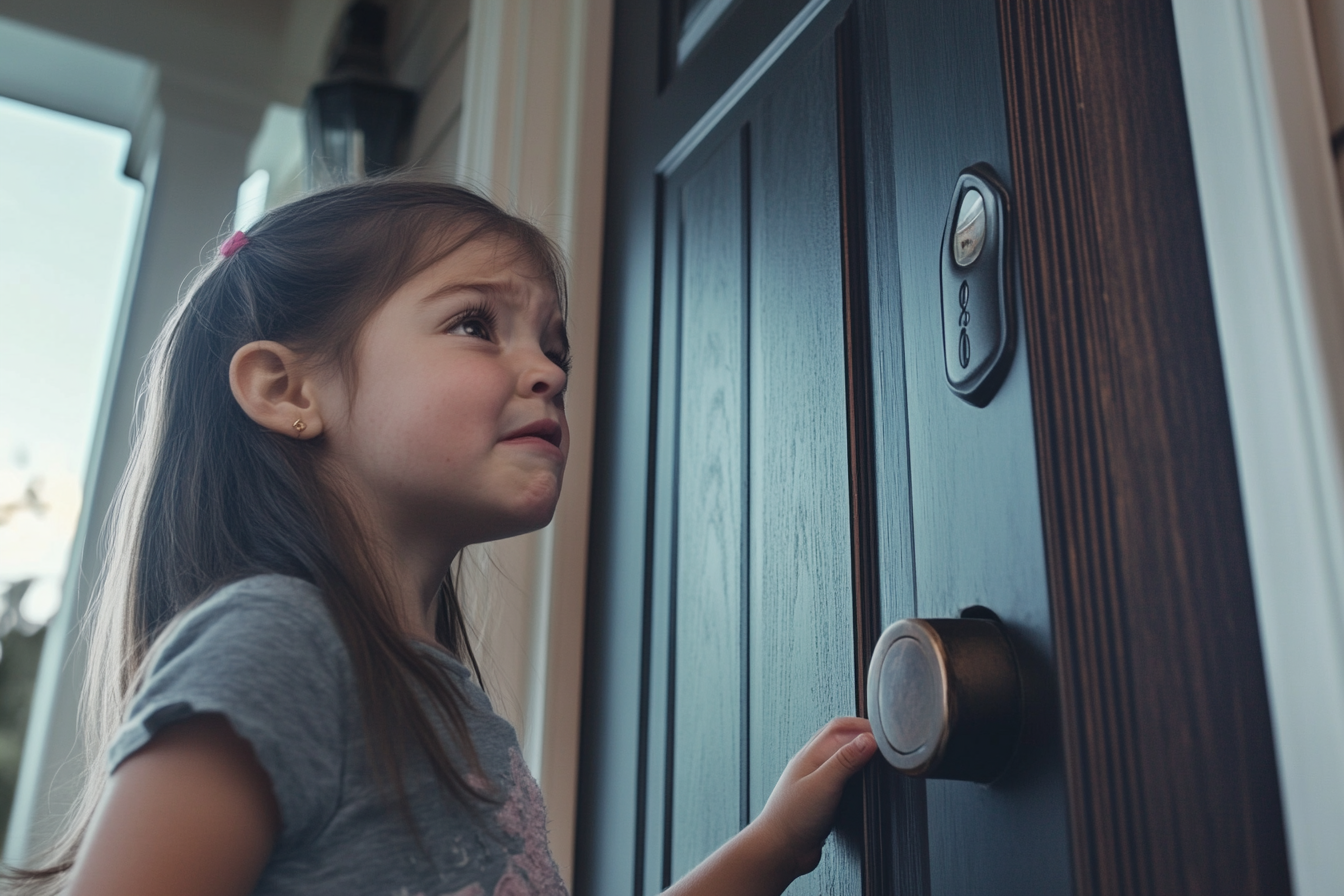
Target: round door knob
column 945, row 698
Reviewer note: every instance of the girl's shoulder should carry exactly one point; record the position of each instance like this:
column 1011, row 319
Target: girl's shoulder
column 264, row 635
column 265, row 611
column 270, row 593
column 257, row 627
column 263, row 653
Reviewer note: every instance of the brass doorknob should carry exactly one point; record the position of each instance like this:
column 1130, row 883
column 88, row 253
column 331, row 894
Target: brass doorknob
column 945, row 698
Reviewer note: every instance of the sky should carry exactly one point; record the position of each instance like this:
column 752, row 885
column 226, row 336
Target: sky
column 68, row 217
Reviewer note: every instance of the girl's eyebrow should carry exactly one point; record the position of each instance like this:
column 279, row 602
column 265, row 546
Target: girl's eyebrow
column 448, row 289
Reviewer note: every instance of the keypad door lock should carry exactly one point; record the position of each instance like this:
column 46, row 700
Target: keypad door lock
column 979, row 331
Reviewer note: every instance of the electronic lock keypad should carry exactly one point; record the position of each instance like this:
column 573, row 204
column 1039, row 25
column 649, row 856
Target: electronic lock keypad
column 979, row 331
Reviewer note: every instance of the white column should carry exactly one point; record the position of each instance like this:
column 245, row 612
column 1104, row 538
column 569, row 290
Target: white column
column 191, row 180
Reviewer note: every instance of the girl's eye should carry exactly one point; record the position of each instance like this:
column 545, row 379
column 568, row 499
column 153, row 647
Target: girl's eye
column 477, row 323
column 561, row 360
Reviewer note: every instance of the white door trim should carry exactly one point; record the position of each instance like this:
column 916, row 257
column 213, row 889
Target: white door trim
column 1275, row 241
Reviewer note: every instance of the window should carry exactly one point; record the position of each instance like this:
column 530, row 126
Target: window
column 68, row 219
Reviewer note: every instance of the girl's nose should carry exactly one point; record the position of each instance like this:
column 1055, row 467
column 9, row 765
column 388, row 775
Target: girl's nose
column 543, row 378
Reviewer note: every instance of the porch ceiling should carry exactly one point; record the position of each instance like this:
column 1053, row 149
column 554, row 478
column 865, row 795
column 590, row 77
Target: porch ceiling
column 251, row 51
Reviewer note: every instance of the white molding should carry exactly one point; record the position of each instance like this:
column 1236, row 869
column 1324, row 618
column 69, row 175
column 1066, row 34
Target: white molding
column 1275, row 241
column 534, row 138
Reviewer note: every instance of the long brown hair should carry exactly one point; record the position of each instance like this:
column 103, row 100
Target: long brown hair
column 210, row 497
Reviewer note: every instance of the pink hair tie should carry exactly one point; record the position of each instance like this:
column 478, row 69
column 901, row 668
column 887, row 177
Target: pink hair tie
column 233, row 244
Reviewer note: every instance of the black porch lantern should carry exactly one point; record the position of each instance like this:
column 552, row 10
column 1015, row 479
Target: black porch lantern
column 359, row 122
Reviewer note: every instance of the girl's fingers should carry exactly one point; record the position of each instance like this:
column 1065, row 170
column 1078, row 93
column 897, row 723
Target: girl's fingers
column 851, row 757
column 834, row 737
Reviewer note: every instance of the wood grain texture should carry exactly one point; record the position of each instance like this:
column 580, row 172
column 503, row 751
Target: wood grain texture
column 802, row 663
column 706, row 805
column 1169, row 755
column 619, row 846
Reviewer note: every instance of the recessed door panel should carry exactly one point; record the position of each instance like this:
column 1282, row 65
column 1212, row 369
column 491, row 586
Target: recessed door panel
column 707, row 796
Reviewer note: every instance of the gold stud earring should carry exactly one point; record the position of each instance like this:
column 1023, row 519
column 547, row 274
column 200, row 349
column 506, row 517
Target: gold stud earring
column 299, row 425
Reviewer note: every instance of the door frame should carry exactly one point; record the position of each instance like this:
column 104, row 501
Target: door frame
column 1168, row 747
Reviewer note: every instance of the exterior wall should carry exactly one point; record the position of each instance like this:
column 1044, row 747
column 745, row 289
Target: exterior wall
column 428, row 52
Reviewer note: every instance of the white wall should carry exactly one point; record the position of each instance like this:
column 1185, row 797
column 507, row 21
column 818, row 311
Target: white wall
column 428, row 52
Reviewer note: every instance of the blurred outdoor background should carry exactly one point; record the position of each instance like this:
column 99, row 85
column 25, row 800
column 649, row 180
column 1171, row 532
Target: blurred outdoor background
column 68, row 218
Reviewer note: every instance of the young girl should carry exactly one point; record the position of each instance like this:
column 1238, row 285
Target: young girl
column 368, row 381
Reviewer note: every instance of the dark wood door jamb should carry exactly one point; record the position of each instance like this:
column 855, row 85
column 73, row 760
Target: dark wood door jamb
column 1165, row 719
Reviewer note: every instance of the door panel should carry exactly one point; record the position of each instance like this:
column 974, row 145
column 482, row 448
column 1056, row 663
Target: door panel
column 754, row 591
column 801, row 581
column 708, row 599
column 789, row 435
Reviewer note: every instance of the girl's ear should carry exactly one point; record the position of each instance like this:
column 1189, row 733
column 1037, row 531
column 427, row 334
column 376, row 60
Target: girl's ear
column 275, row 389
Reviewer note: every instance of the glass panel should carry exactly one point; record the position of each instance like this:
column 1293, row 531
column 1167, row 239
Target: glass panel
column 68, row 217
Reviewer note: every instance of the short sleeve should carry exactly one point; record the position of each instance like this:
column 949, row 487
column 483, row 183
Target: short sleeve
column 264, row 653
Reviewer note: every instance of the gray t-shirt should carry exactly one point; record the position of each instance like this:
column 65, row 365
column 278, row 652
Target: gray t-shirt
column 265, row 653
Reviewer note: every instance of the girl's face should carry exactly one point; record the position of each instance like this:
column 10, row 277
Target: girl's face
column 455, row 429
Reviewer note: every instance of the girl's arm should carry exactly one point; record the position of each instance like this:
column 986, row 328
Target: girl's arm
column 785, row 840
column 190, row 814
column 193, row 814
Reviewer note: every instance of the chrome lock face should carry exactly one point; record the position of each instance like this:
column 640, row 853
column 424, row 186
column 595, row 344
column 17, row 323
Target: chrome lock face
column 968, row 239
column 979, row 330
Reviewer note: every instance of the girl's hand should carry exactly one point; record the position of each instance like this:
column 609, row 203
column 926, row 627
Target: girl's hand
column 801, row 810
column 785, row 840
